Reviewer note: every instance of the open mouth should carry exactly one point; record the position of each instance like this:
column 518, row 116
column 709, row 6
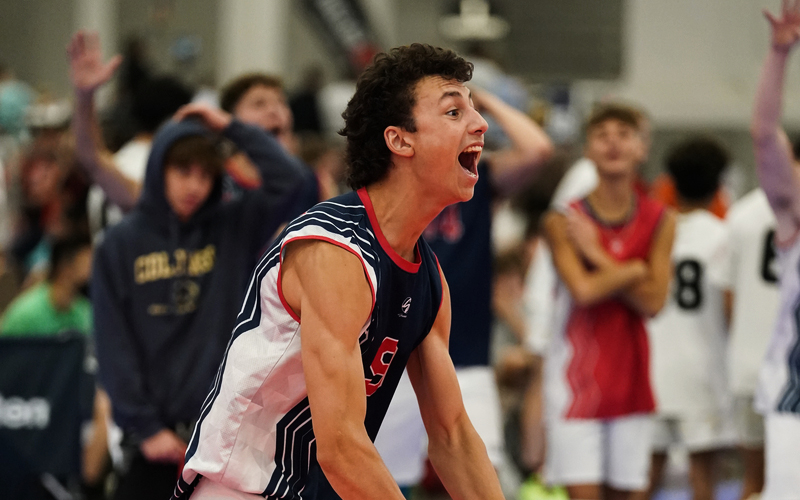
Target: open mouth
column 469, row 159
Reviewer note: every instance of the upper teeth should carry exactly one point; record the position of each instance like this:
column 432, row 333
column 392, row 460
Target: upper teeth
column 474, row 149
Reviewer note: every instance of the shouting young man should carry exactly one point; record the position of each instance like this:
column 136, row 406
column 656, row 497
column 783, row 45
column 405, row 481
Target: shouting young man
column 346, row 297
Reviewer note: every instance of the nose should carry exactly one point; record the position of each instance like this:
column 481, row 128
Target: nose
column 480, row 126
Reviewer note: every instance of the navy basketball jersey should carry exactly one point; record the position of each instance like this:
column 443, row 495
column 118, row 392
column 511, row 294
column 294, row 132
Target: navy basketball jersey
column 255, row 432
column 461, row 238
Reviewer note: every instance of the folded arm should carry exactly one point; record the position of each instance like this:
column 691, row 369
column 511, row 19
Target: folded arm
column 649, row 295
column 454, row 447
column 587, row 286
column 312, row 273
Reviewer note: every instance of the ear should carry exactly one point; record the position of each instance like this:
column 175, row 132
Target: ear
column 399, row 141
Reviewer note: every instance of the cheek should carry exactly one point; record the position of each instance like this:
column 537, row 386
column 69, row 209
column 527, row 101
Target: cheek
column 207, row 186
column 172, row 186
column 248, row 114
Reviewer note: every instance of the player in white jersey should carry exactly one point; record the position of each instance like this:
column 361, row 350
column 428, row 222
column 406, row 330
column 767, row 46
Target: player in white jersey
column 754, row 298
column 778, row 393
column 688, row 336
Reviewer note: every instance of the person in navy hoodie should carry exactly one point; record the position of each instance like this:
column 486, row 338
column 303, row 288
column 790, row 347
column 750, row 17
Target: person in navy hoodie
column 168, row 280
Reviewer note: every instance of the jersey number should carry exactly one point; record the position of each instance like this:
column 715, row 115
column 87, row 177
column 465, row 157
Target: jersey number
column 380, row 364
column 768, row 259
column 688, row 277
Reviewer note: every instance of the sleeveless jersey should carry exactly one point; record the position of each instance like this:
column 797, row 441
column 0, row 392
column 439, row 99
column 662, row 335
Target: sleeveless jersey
column 779, row 378
column 754, row 281
column 598, row 365
column 255, row 432
column 688, row 336
column 461, row 238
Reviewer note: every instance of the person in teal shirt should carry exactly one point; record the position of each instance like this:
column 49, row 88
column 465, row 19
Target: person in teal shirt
column 56, row 305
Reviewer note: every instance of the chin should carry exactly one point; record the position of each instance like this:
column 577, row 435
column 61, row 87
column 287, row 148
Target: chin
column 466, row 194
column 616, row 171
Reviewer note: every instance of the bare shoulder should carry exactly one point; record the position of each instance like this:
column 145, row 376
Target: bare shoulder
column 554, row 225
column 315, row 271
column 665, row 232
column 441, row 326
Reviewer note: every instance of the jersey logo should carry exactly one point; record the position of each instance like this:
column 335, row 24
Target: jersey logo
column 405, row 307
column 380, row 365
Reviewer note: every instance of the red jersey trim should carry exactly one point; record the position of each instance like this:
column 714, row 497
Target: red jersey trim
column 409, row 267
column 441, row 276
column 286, row 306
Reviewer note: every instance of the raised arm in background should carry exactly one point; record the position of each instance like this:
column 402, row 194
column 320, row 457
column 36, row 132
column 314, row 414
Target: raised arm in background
column 282, row 174
column 512, row 168
column 774, row 159
column 87, row 73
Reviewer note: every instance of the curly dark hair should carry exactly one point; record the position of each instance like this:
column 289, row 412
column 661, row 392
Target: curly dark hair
column 385, row 97
column 696, row 166
column 233, row 91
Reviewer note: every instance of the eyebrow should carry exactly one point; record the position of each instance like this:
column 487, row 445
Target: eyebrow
column 454, row 93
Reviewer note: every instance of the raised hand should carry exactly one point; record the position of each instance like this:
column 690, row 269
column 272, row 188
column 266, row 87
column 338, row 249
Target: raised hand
column 87, row 70
column 786, row 28
column 214, row 118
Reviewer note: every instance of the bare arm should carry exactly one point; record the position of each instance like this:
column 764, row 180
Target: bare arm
column 649, row 295
column 312, row 273
column 774, row 159
column 88, row 73
column 587, row 287
column 512, row 168
column 454, row 447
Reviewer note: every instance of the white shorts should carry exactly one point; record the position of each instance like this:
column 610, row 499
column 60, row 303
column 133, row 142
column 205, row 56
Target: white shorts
column 695, row 433
column 402, row 441
column 782, row 454
column 209, row 490
column 482, row 402
column 747, row 423
column 615, row 452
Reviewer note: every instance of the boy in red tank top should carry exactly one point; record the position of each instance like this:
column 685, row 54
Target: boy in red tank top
column 612, row 253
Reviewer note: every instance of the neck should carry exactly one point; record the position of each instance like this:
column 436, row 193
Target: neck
column 143, row 136
column 402, row 213
column 61, row 294
column 684, row 206
column 613, row 198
